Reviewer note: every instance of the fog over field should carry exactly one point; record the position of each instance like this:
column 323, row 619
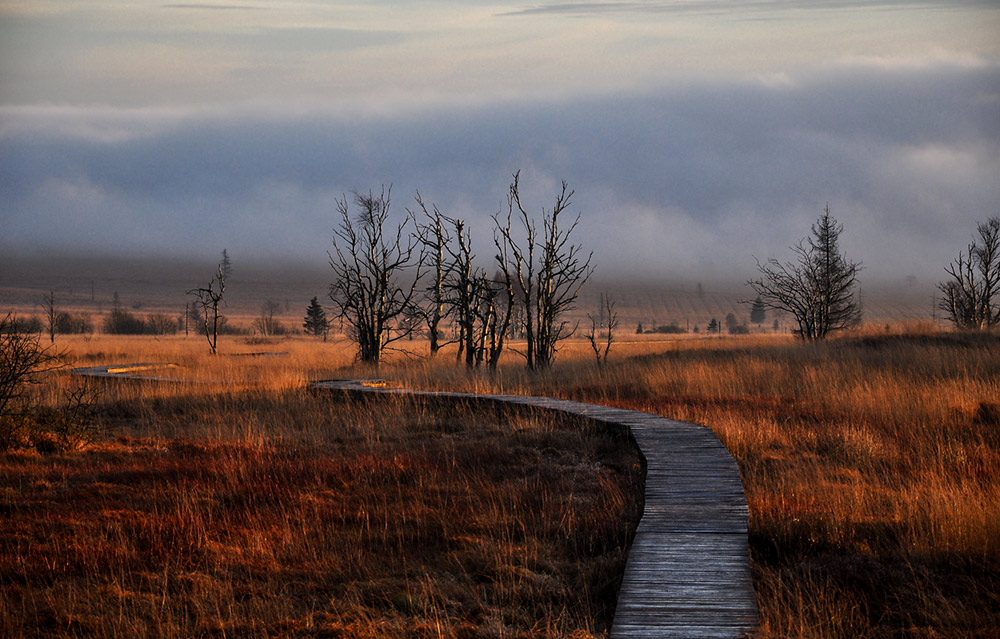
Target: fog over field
column 697, row 135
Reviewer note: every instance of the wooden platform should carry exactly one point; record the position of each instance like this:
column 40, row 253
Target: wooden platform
column 688, row 571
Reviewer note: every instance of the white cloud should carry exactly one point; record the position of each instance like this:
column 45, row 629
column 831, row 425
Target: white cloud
column 386, row 53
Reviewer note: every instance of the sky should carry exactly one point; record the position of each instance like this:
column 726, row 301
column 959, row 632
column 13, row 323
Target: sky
column 698, row 135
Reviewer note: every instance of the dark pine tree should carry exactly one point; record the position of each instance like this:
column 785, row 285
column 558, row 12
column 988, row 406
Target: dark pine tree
column 758, row 312
column 316, row 322
column 818, row 288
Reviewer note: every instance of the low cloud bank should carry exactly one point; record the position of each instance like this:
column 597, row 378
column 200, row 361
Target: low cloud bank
column 692, row 181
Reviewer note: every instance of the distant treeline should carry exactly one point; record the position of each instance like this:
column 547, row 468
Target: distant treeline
column 65, row 324
column 118, row 322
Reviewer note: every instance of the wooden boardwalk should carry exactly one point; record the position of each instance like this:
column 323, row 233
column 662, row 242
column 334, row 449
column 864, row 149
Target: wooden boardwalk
column 688, row 571
column 138, row 372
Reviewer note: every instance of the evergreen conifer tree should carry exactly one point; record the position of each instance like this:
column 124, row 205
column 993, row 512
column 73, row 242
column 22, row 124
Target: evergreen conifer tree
column 817, row 289
column 316, row 322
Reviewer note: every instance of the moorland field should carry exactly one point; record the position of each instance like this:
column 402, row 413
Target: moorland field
column 247, row 505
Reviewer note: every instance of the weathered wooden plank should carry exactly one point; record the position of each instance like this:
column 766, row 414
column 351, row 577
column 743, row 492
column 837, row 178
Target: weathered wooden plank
column 688, row 570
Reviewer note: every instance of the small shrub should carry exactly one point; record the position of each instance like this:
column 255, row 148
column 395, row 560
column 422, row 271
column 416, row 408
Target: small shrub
column 14, row 429
column 50, row 429
column 23, row 325
column 672, row 329
column 160, row 324
column 230, row 328
column 69, row 324
column 22, row 360
column 121, row 322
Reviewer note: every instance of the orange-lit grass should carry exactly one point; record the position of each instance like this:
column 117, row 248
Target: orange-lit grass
column 319, row 517
column 870, row 462
column 871, row 465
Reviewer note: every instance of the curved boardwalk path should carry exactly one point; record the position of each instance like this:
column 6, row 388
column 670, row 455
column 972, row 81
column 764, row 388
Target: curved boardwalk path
column 688, row 572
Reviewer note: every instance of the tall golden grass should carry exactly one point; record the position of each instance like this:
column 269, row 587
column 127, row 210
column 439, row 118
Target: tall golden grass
column 869, row 461
column 252, row 507
column 870, row 464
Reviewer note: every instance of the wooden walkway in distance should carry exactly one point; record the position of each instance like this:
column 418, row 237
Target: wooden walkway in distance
column 688, row 571
column 138, row 372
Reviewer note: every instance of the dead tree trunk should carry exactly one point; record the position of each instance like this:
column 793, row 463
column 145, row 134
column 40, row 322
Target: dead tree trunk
column 601, row 345
column 210, row 298
column 49, row 306
column 550, row 287
column 434, row 237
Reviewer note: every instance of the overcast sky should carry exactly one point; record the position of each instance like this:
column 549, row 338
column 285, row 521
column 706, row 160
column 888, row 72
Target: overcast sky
column 697, row 134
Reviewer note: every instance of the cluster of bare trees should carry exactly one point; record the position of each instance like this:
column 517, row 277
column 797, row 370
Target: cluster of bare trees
column 549, row 271
column 425, row 267
column 480, row 305
column 970, row 294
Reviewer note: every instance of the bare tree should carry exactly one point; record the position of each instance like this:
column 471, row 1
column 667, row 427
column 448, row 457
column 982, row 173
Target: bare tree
column 210, row 298
column 369, row 259
column 969, row 296
column 49, row 306
column 462, row 290
column 549, row 286
column 434, row 236
column 265, row 323
column 493, row 302
column 497, row 306
column 601, row 344
column 519, row 262
column 480, row 305
column 817, row 289
column 22, row 359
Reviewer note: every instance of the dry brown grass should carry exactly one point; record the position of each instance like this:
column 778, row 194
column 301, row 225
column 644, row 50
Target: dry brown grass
column 255, row 508
column 870, row 464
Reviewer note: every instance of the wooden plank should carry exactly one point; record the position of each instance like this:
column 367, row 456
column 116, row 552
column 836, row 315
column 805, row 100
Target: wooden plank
column 688, row 570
